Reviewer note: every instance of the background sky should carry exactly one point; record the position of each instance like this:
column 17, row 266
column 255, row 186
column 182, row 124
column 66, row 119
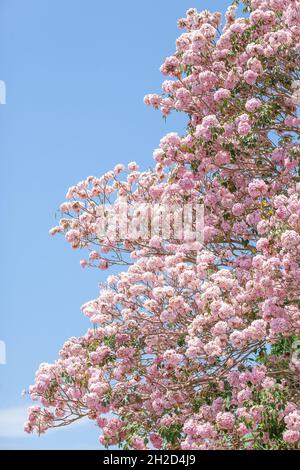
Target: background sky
column 76, row 72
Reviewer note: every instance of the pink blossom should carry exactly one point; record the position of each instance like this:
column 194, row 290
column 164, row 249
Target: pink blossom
column 290, row 239
column 291, row 437
column 156, row 440
column 133, row 166
column 225, row 420
column 221, row 94
column 257, row 188
column 253, row 104
column 244, row 128
column 250, row 77
column 172, row 358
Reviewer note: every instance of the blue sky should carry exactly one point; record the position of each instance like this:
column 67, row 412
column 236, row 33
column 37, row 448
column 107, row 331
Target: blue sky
column 76, row 72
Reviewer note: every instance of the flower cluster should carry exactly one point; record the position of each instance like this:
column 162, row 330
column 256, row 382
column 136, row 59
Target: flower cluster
column 193, row 347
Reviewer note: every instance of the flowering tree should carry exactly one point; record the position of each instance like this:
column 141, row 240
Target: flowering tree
column 195, row 345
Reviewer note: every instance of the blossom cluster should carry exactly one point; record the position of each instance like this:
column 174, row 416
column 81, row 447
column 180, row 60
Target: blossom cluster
column 192, row 346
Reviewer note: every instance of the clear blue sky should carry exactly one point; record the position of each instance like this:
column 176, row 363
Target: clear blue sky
column 76, row 72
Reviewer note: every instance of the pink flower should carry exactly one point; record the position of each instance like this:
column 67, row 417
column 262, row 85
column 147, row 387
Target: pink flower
column 242, row 430
column 207, row 80
column 156, row 440
column 221, row 94
column 220, row 328
column 158, row 155
column 279, row 325
column 28, row 428
column 153, row 100
column 257, row 188
column 168, row 316
column 292, row 420
column 268, row 383
column 238, row 339
column 225, row 420
column 103, row 265
column 133, row 166
column 65, row 207
column 119, row 168
column 93, row 255
column 244, row 128
column 255, row 65
column 73, row 237
column 101, row 353
column 170, row 66
column 213, row 348
column 250, row 77
column 172, row 139
column 206, row 431
column 210, row 121
column 55, row 230
column 172, row 358
column 238, row 209
column 290, row 239
column 186, row 184
column 155, row 242
column 222, row 157
column 253, row 104
column 291, row 437
column 138, row 443
column 262, row 244
column 166, row 420
column 244, row 395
